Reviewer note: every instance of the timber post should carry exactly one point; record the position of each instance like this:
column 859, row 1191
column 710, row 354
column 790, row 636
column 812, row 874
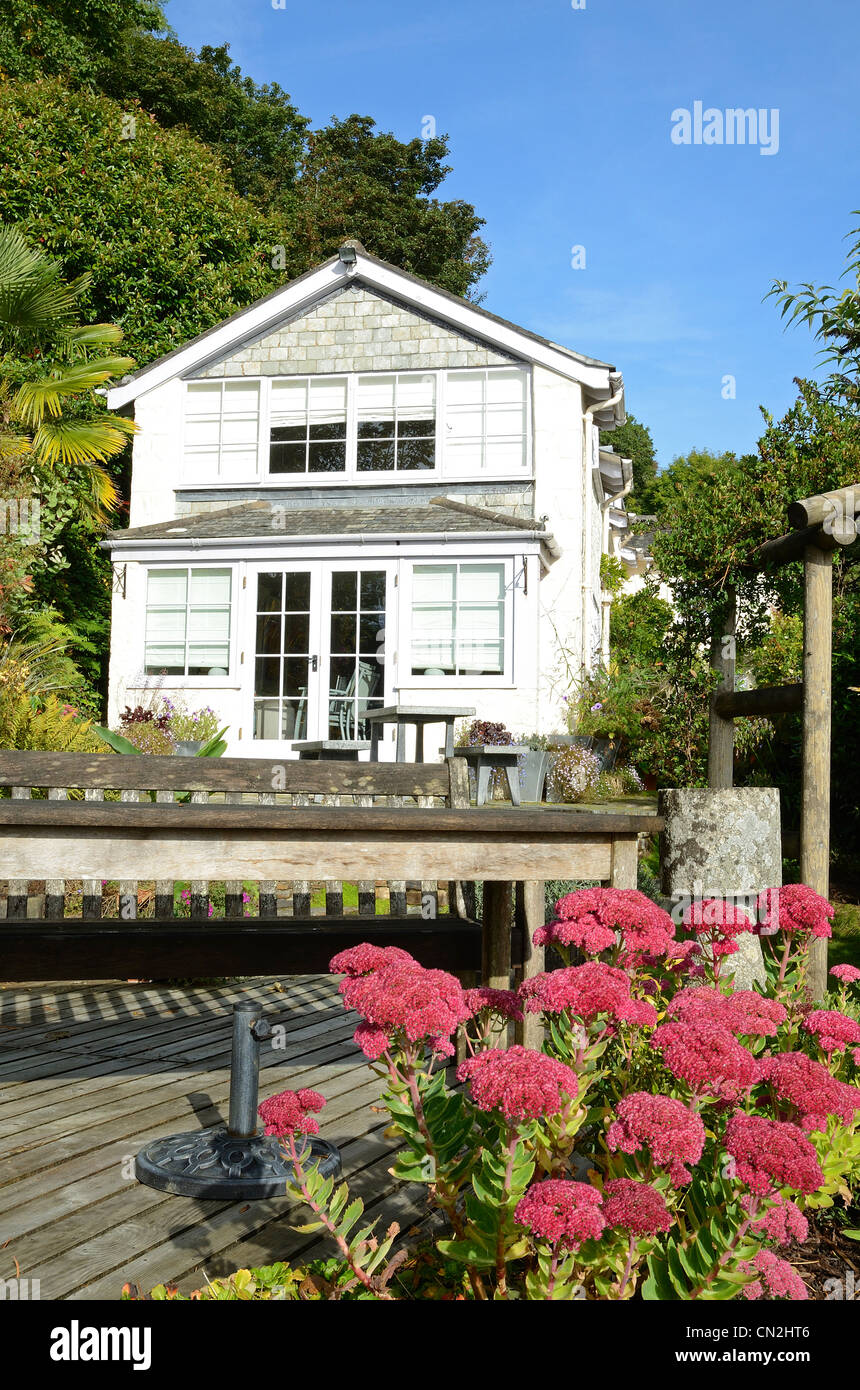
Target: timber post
column 815, row 803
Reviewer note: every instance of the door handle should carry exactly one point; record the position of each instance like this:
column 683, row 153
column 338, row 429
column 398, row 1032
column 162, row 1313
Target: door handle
column 315, row 663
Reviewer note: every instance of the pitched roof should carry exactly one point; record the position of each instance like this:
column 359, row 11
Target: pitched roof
column 600, row 379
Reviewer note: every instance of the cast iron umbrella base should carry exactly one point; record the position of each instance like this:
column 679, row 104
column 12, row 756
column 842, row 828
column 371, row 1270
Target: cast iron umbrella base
column 235, row 1160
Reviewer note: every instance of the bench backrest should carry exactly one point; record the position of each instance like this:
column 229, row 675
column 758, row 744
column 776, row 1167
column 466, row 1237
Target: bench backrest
column 128, row 777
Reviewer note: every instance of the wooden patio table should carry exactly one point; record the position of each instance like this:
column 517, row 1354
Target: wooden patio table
column 499, row 846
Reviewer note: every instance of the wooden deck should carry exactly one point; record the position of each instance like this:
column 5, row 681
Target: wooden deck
column 88, row 1072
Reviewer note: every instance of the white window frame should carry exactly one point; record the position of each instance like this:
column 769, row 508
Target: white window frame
column 505, row 680
column 485, row 472
column 262, row 478
column 179, row 682
column 223, row 382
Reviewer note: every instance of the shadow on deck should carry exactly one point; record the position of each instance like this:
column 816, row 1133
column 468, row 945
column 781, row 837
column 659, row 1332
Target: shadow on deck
column 89, row 1072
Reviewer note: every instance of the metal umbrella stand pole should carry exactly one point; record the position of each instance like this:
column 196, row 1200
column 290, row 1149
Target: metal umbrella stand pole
column 234, row 1160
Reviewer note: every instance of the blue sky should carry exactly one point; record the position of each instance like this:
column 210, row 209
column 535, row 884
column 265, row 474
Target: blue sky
column 560, row 125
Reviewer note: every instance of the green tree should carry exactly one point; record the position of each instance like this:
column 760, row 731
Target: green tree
column 834, row 317
column 633, row 440
column 170, row 246
column 71, row 37
column 355, row 182
column 256, row 130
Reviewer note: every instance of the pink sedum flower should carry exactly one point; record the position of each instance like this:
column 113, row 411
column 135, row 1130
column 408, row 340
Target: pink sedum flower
column 715, row 916
column 770, row 1154
column 291, row 1112
column 636, row 1011
column 635, row 1207
column 794, row 909
column 809, row 1087
column 832, row 1030
column 563, row 1212
column 593, row 918
column 402, row 997
column 521, row 1083
column 783, row 1223
column 373, row 1041
column 707, row 1057
column 585, row 990
column 674, row 1134
column 364, row 958
column 498, row 1001
column 778, row 1277
column 742, row 1012
column 847, row 974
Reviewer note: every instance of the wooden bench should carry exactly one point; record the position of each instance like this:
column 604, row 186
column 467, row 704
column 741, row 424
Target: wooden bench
column 117, row 819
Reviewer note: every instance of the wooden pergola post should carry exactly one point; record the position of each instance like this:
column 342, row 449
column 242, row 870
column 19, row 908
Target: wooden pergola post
column 817, row 681
column 721, row 740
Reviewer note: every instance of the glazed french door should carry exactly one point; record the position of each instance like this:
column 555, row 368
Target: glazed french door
column 318, row 662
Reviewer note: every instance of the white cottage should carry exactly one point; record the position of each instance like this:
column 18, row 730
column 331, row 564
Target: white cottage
column 364, row 490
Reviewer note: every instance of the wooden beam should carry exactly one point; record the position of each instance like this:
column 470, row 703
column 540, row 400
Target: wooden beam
column 625, row 861
column 496, row 947
column 792, row 546
column 147, row 772
column 721, row 731
column 766, row 700
column 530, row 900
column 815, row 801
column 825, row 506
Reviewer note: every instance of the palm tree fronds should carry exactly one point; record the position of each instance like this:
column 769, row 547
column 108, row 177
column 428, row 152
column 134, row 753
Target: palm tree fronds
column 35, row 399
column 34, row 299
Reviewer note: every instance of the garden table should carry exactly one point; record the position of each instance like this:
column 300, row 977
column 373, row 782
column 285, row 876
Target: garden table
column 486, row 758
column 419, row 715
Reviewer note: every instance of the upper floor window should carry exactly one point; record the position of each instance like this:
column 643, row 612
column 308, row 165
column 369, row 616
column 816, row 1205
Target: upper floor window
column 485, row 421
column 188, row 622
column 396, row 423
column 458, row 423
column 221, row 429
column 308, row 425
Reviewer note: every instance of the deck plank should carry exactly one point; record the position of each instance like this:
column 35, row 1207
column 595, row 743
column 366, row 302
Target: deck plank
column 88, row 1073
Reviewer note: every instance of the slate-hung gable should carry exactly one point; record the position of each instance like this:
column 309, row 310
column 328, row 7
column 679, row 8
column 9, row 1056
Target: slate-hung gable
column 362, row 490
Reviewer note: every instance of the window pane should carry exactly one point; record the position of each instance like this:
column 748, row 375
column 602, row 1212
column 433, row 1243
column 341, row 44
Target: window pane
column 296, row 632
column 241, row 398
column 287, row 458
column 343, row 590
column 267, row 676
column 268, row 635
column 210, row 586
column 328, row 398
column 415, row 428
column 506, row 455
column 465, row 388
column 327, row 458
column 505, row 420
column 295, row 676
column 289, row 398
column 294, row 719
column 289, row 434
column 376, row 395
column 204, row 399
column 481, row 583
column 333, row 429
column 373, row 589
column 269, row 588
column 376, row 429
column 433, row 582
column 297, row 591
column 416, row 396
column 506, row 386
column 343, row 632
column 164, row 660
column 167, row 586
column 369, row 627
column 465, row 458
column 202, row 434
column 375, row 457
column 267, row 723
column 416, row 453
column 203, row 656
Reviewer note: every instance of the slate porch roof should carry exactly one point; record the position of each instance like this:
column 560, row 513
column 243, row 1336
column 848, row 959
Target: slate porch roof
column 259, row 519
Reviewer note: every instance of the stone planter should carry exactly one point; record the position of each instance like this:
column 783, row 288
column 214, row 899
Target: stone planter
column 533, row 766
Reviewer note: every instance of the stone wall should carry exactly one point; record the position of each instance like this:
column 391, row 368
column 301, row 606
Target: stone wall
column 356, row 330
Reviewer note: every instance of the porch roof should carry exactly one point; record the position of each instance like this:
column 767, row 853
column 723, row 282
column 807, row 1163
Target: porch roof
column 277, row 521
